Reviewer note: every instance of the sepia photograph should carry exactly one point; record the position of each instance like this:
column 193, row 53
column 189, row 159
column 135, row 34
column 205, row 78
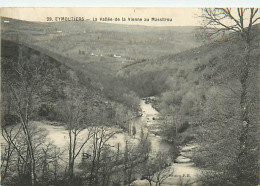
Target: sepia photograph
column 130, row 96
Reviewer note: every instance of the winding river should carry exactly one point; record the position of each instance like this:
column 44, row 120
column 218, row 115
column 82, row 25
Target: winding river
column 183, row 169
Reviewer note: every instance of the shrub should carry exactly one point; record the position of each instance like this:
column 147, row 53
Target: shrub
column 48, row 112
column 11, row 119
column 183, row 127
column 200, row 67
column 187, row 139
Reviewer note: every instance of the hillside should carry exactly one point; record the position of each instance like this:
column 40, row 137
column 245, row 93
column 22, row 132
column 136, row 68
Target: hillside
column 66, row 79
column 111, row 46
column 109, row 57
column 187, row 82
column 206, row 64
column 53, row 91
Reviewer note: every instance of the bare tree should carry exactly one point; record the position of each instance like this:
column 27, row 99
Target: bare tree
column 129, row 158
column 238, row 22
column 155, row 169
column 48, row 158
column 9, row 135
column 101, row 135
column 134, row 131
column 106, row 165
column 148, row 171
column 144, row 146
column 17, row 158
column 24, row 79
column 74, row 115
column 162, row 172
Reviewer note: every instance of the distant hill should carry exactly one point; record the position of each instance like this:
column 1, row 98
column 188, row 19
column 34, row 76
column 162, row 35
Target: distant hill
column 111, row 45
column 148, row 60
column 93, row 76
column 191, row 75
column 204, row 63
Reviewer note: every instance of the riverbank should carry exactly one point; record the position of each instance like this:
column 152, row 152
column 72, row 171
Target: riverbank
column 182, row 168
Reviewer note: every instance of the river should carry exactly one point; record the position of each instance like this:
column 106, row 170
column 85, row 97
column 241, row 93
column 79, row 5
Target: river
column 183, row 170
column 149, row 119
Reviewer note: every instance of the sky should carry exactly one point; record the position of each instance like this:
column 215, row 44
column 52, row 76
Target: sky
column 178, row 16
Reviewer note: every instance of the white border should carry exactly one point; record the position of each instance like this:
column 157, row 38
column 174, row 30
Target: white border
column 129, row 3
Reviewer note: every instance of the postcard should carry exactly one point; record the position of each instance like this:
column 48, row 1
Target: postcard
column 130, row 96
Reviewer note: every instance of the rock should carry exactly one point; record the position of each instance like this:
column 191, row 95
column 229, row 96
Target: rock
column 187, row 154
column 182, row 159
column 189, row 147
column 140, row 183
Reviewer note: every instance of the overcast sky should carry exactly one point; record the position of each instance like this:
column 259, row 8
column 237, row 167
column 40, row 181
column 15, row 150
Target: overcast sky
column 179, row 16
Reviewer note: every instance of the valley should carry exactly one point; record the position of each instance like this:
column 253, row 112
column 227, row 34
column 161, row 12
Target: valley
column 89, row 103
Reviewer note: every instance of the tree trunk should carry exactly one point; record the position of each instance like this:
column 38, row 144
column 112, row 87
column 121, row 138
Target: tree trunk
column 9, row 154
column 31, row 153
column 71, row 169
column 71, row 158
column 33, row 173
column 244, row 104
